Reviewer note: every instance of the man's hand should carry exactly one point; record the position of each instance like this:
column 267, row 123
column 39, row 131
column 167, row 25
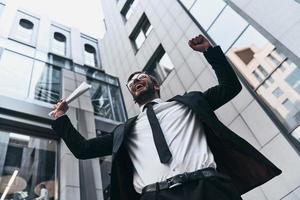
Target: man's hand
column 199, row 43
column 60, row 108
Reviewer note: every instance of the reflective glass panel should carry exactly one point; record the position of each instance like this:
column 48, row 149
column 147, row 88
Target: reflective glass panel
column 163, row 68
column 226, row 29
column 130, row 10
column 46, row 83
column 206, row 11
column 187, row 3
column 140, row 39
column 256, row 58
column 15, row 73
column 284, row 101
column 29, row 163
column 251, row 37
column 117, row 104
column 100, row 99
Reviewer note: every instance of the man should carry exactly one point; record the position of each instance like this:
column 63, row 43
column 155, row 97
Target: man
column 176, row 149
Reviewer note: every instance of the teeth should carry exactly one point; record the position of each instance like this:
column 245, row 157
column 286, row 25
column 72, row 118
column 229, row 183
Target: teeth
column 139, row 86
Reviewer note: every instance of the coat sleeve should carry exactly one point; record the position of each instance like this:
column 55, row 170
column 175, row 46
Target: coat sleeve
column 78, row 145
column 229, row 85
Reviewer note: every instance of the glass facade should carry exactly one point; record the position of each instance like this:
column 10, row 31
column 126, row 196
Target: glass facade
column 25, row 78
column 106, row 100
column 270, row 73
column 27, row 163
column 105, row 93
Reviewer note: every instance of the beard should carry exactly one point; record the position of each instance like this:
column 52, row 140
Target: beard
column 145, row 95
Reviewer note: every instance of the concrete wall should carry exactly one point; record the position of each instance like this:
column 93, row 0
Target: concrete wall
column 172, row 28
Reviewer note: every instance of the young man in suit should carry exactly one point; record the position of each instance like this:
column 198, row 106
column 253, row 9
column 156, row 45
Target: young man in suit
column 175, row 149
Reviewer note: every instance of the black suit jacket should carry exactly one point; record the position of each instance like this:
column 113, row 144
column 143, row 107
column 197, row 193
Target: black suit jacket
column 235, row 157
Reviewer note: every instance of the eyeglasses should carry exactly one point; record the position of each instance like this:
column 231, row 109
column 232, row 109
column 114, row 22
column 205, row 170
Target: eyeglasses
column 140, row 76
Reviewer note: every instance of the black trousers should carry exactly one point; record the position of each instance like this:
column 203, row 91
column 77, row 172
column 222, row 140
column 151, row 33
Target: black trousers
column 211, row 188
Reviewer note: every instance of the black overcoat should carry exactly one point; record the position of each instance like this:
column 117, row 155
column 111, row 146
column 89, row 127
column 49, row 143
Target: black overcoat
column 234, row 156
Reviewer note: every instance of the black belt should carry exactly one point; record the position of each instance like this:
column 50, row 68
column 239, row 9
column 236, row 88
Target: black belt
column 180, row 179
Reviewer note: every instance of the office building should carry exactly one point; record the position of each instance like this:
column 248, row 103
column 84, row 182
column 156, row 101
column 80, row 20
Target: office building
column 260, row 39
column 42, row 61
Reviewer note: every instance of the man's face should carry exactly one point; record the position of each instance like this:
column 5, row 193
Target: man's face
column 141, row 87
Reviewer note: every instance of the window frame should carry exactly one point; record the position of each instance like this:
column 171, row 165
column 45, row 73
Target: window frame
column 144, row 27
column 154, row 60
column 15, row 28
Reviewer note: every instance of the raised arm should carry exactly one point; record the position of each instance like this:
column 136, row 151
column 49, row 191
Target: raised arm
column 78, row 145
column 229, row 85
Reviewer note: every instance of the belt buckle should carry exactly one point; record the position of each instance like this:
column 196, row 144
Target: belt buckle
column 171, row 185
column 174, row 185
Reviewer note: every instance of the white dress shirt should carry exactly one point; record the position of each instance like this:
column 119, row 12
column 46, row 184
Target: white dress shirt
column 184, row 135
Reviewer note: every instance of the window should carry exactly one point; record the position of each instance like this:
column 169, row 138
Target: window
column 288, row 104
column 128, row 8
column 25, row 30
column 228, row 22
column 59, row 44
column 23, row 78
column 140, row 32
column 1, row 8
column 159, row 65
column 105, row 93
column 251, row 38
column 293, row 79
column 277, row 92
column 29, row 162
column 47, row 87
column 206, row 11
column 257, row 76
column 106, row 100
column 273, row 60
column 89, row 55
column 60, row 41
column 263, row 71
column 15, row 72
column 188, row 3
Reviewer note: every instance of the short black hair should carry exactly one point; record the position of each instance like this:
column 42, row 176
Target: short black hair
column 153, row 78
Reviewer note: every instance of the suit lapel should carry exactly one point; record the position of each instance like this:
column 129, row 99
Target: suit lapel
column 197, row 106
column 121, row 131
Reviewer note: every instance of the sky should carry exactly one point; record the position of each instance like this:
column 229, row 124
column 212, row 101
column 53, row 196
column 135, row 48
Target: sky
column 86, row 15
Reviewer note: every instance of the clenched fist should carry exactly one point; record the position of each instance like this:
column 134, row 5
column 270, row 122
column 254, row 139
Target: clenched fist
column 199, row 43
column 60, row 108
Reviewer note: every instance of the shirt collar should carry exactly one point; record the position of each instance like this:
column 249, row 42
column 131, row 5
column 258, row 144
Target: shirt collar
column 157, row 100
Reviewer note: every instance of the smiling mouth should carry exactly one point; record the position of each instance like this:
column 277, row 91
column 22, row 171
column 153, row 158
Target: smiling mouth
column 138, row 87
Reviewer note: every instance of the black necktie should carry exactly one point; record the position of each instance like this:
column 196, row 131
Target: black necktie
column 158, row 136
